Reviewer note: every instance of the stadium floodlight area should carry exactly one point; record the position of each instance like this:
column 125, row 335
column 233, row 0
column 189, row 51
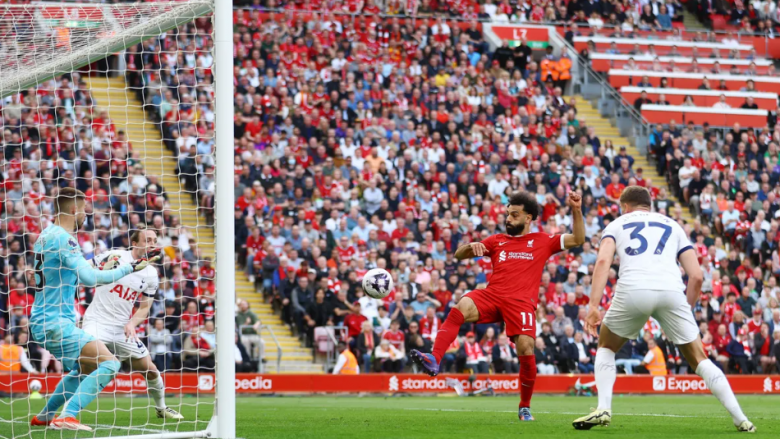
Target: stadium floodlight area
column 89, row 76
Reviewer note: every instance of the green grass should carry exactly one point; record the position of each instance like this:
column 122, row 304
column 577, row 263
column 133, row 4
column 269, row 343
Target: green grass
column 417, row 417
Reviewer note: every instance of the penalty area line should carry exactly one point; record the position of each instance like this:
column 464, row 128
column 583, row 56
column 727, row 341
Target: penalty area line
column 649, row 415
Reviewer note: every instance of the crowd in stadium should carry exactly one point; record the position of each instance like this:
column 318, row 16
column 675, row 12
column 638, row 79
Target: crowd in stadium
column 386, row 144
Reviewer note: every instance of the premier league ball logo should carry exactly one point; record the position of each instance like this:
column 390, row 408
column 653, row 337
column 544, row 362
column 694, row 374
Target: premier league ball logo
column 377, row 283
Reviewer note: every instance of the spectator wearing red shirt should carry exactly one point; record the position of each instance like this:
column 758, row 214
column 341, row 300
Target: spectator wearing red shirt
column 346, row 252
column 443, row 296
column 400, row 230
column 720, row 340
column 430, row 324
column 354, row 321
column 730, row 306
column 191, row 318
column 614, row 189
column 207, row 271
column 395, row 335
column 755, row 322
column 19, row 299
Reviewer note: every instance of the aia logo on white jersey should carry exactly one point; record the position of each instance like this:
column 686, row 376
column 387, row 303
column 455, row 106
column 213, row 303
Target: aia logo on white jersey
column 502, row 256
column 531, row 244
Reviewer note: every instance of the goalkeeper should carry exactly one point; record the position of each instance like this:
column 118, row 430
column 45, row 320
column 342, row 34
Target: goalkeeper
column 59, row 268
column 110, row 316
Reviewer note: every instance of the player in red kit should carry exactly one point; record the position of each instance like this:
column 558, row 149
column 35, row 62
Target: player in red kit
column 518, row 258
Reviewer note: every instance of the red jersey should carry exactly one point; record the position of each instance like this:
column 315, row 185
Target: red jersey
column 429, row 328
column 207, row 273
column 346, row 254
column 754, row 327
column 354, row 323
column 396, row 339
column 190, row 321
column 20, row 299
column 518, row 263
column 728, row 311
column 444, row 297
column 255, row 244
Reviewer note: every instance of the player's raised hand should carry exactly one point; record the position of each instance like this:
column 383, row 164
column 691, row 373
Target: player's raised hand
column 575, row 201
column 152, row 257
column 130, row 332
column 592, row 321
column 478, row 249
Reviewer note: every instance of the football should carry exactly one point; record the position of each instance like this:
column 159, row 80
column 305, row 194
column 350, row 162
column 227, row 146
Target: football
column 35, row 386
column 377, row 283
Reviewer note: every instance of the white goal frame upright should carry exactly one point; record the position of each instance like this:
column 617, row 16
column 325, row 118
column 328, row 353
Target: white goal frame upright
column 223, row 422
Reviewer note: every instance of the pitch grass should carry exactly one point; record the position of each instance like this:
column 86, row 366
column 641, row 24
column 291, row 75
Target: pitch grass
column 372, row 417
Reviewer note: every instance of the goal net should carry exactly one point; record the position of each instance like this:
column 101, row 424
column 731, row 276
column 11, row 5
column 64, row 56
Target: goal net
column 118, row 103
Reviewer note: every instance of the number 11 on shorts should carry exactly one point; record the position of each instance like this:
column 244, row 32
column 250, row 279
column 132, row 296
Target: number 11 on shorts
column 529, row 321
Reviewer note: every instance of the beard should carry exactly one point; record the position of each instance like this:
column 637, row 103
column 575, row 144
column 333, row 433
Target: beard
column 514, row 230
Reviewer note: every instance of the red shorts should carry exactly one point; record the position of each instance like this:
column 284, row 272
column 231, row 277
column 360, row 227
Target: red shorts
column 519, row 316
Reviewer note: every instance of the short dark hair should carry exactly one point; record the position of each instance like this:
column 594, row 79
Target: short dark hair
column 636, row 196
column 527, row 200
column 65, row 197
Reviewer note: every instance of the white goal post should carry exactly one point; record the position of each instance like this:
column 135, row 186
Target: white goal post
column 41, row 53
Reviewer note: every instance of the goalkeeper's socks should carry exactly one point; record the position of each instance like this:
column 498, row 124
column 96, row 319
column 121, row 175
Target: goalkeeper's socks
column 447, row 333
column 527, row 379
column 156, row 388
column 63, row 392
column 90, row 387
column 719, row 386
column 606, row 373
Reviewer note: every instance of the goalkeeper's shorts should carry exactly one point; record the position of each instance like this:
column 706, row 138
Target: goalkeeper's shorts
column 64, row 340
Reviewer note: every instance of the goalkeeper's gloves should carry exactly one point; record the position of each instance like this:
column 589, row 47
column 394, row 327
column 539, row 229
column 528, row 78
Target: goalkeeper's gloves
column 110, row 262
column 152, row 257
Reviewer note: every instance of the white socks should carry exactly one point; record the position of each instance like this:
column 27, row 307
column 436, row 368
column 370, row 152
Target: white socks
column 156, row 388
column 605, row 377
column 720, row 387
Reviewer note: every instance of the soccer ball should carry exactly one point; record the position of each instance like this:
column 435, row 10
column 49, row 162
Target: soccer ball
column 35, row 386
column 377, row 283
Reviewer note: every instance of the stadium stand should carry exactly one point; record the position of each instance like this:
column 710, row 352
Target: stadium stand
column 368, row 142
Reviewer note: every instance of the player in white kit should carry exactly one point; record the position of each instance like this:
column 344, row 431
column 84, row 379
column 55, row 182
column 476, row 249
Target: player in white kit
column 649, row 245
column 110, row 318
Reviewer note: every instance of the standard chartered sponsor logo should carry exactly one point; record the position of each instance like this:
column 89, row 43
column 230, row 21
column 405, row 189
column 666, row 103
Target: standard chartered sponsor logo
column 441, row 384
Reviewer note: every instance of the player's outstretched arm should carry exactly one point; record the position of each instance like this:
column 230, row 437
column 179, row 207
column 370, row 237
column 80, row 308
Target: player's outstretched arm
column 690, row 264
column 600, row 274
column 89, row 276
column 471, row 250
column 577, row 238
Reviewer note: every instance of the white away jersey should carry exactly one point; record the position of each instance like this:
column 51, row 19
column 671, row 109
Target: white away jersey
column 648, row 244
column 113, row 303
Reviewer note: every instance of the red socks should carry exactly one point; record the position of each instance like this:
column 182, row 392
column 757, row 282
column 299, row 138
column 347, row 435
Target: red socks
column 527, row 379
column 448, row 333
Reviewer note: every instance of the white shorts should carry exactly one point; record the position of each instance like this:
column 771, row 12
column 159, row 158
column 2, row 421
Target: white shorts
column 631, row 309
column 115, row 340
